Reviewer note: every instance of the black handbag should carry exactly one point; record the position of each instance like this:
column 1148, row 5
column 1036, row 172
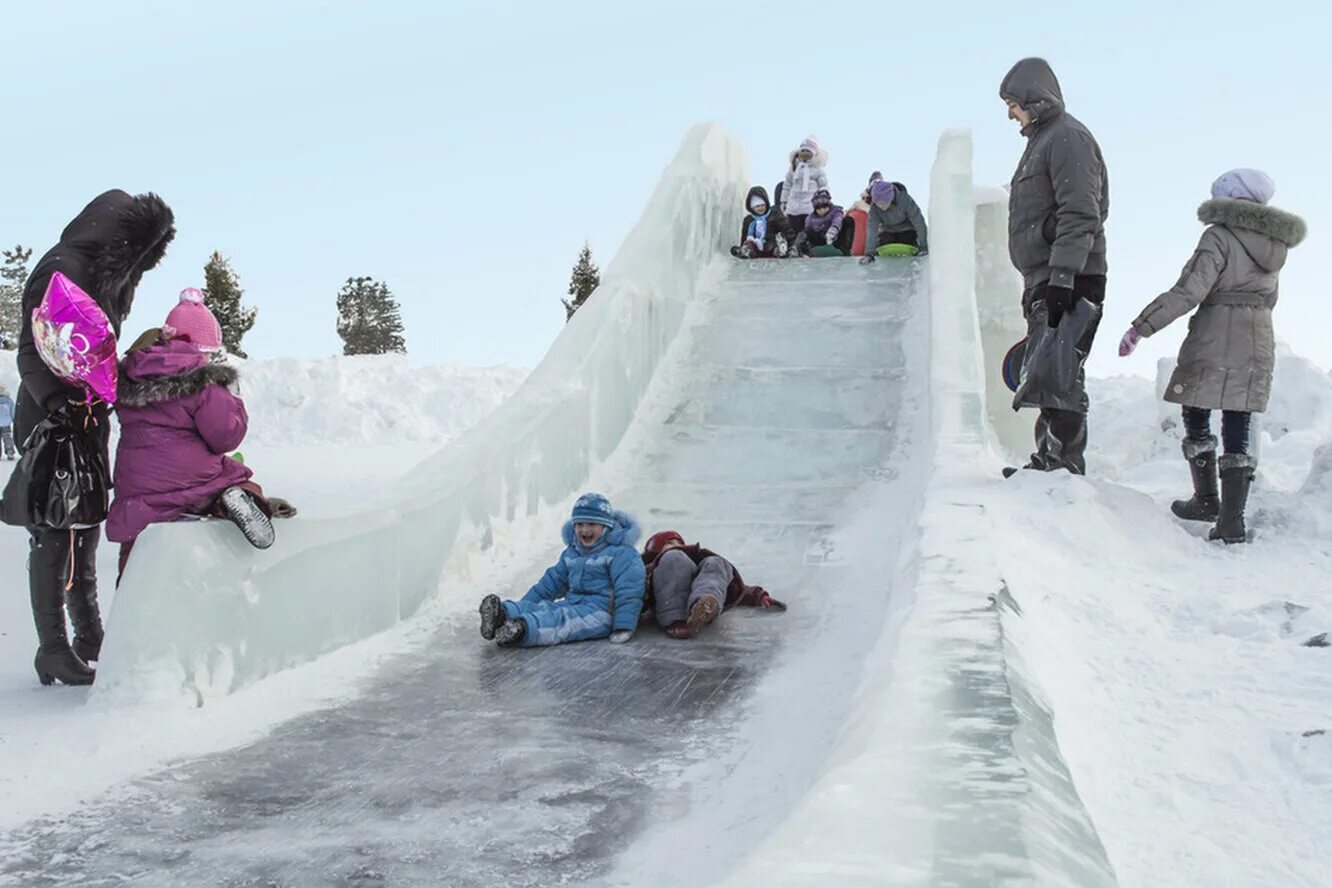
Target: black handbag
column 1053, row 371
column 62, row 480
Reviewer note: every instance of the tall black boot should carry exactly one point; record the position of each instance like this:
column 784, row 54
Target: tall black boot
column 1236, row 477
column 48, row 574
column 81, row 598
column 1205, row 504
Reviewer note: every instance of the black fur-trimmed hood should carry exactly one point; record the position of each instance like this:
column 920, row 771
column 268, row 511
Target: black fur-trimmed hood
column 1281, row 226
column 148, row 390
column 119, row 236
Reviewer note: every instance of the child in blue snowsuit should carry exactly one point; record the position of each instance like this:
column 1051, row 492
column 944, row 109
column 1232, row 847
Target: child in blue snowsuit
column 595, row 590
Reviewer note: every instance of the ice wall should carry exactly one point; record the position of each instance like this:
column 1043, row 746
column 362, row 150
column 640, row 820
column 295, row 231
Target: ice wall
column 999, row 309
column 200, row 614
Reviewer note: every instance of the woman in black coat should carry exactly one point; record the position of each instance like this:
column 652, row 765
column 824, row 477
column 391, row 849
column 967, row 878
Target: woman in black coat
column 105, row 250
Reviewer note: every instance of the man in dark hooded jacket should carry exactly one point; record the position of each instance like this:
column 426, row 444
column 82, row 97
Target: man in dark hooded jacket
column 1057, row 207
column 105, row 250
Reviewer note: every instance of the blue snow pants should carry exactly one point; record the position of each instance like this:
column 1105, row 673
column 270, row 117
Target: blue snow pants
column 573, row 618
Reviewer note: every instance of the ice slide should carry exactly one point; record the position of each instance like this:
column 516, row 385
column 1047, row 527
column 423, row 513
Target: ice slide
column 799, row 416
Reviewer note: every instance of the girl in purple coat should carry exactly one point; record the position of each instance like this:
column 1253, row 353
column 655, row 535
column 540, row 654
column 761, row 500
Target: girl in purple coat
column 826, row 225
column 179, row 420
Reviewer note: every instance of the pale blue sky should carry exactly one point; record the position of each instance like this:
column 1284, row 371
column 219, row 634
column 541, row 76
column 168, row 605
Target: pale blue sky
column 462, row 151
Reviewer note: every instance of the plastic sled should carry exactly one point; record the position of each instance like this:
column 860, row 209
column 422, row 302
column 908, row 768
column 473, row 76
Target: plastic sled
column 824, row 251
column 1012, row 365
column 862, row 220
column 896, row 250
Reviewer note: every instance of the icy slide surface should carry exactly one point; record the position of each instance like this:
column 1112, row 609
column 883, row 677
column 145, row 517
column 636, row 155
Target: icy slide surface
column 794, row 389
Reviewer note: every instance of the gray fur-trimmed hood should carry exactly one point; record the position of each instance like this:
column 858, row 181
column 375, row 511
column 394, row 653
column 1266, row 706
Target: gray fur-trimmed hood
column 155, row 389
column 1265, row 233
column 1279, row 225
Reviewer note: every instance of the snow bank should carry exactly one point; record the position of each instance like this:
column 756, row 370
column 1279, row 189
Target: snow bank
column 368, row 399
column 1193, row 716
column 199, row 615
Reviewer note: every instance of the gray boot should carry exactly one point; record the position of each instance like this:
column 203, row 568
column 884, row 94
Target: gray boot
column 1236, row 478
column 1205, row 504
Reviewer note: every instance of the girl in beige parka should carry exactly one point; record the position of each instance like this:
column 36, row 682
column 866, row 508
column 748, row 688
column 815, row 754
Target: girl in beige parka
column 1227, row 359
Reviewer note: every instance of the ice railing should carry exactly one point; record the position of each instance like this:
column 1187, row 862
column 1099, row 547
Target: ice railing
column 200, row 614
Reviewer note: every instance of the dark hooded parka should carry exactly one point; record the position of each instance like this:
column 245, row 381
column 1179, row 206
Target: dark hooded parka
column 105, row 250
column 1060, row 195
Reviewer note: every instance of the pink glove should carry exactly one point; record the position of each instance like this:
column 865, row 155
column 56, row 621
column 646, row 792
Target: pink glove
column 1129, row 342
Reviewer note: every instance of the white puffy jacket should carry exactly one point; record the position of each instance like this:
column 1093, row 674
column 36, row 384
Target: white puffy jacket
column 802, row 183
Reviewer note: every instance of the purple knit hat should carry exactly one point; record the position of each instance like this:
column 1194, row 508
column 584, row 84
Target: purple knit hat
column 822, row 198
column 882, row 192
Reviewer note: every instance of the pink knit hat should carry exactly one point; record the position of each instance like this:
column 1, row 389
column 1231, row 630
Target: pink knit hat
column 192, row 321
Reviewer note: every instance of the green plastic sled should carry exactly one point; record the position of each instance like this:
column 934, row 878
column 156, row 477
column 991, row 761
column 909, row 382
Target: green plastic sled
column 824, row 251
column 897, row 250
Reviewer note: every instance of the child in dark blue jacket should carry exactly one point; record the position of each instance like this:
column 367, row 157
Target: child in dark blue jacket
column 595, row 590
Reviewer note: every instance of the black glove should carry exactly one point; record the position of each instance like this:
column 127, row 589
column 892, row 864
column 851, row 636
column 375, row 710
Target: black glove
column 1058, row 301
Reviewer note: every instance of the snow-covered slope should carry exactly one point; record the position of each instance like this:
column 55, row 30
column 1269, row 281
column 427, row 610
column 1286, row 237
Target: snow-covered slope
column 369, row 400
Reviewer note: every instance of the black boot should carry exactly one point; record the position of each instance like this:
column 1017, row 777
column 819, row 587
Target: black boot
column 1205, row 505
column 1236, row 476
column 48, row 574
column 511, row 633
column 81, row 600
column 492, row 616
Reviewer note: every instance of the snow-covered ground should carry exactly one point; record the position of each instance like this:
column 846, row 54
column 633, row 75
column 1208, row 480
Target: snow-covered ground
column 325, row 436
column 1192, row 701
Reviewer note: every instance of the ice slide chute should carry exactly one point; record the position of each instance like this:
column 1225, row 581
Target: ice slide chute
column 809, row 418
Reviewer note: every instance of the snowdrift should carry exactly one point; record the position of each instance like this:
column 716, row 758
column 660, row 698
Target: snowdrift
column 200, row 615
column 368, row 399
column 361, row 400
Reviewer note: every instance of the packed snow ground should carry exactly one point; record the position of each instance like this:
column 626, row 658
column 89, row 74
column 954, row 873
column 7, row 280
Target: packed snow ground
column 1192, row 703
column 329, row 435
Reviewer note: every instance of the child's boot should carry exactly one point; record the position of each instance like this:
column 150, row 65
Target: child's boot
column 703, row 612
column 492, row 616
column 511, row 632
column 240, row 507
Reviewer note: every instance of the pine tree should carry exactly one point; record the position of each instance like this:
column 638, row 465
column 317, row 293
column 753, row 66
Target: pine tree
column 223, row 293
column 369, row 319
column 13, row 278
column 586, row 278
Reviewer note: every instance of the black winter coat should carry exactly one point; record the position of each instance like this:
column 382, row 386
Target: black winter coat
column 105, row 250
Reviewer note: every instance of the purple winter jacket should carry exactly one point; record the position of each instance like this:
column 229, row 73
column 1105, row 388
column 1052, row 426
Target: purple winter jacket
column 178, row 420
column 816, row 224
